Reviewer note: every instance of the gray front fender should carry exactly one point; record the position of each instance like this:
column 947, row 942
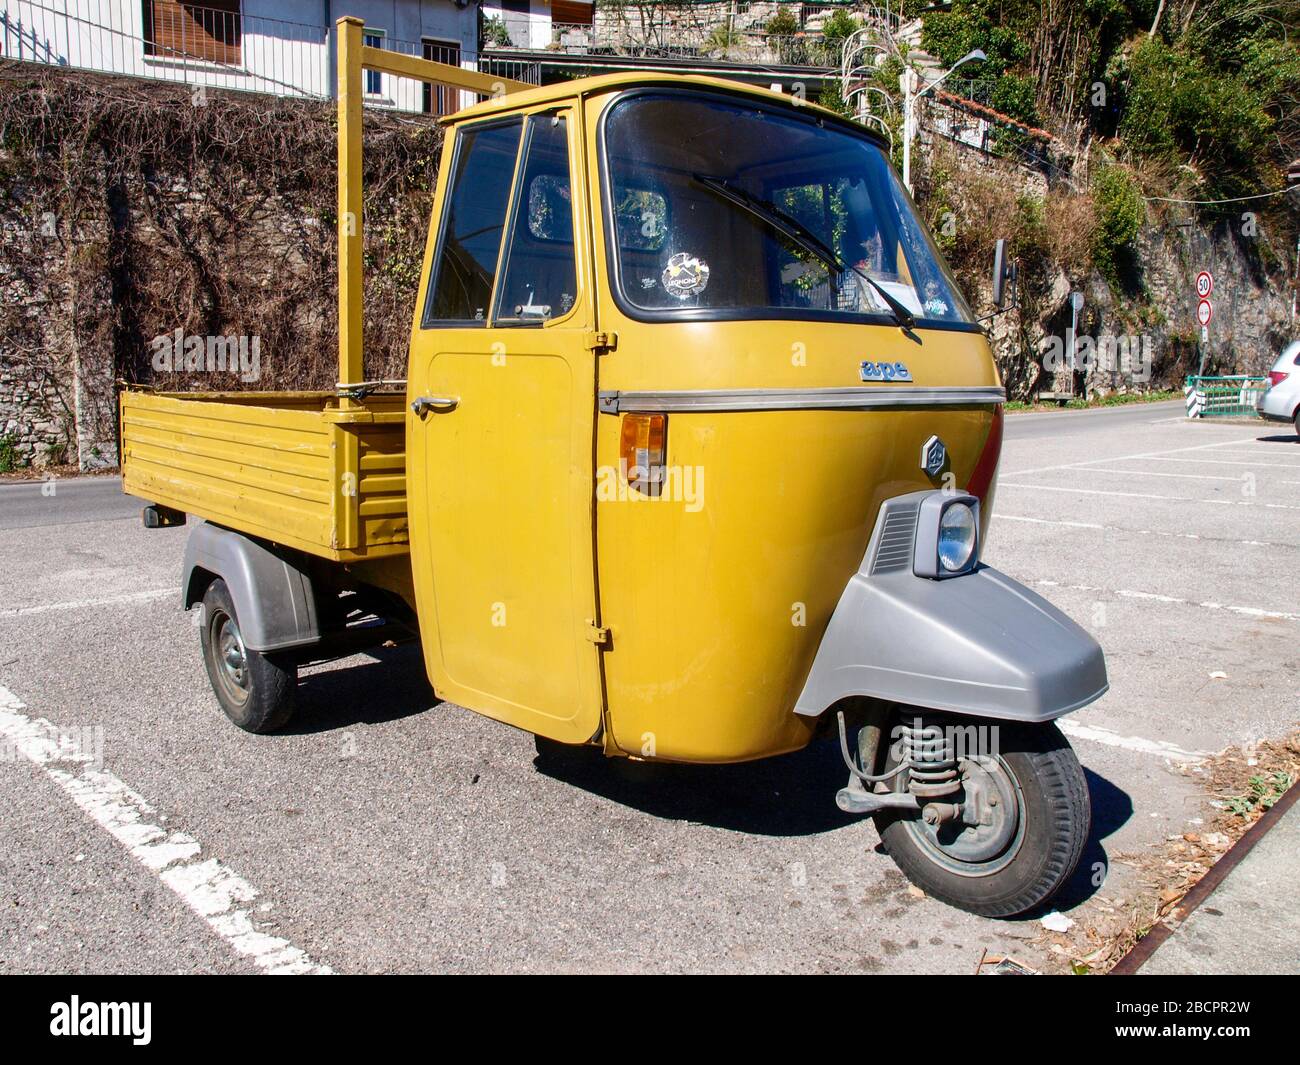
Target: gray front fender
column 978, row 644
column 274, row 598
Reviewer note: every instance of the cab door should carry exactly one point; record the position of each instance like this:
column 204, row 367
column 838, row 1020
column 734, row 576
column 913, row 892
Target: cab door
column 500, row 437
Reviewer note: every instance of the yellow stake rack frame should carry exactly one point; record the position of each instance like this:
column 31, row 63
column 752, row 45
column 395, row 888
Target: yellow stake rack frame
column 324, row 472
column 354, row 58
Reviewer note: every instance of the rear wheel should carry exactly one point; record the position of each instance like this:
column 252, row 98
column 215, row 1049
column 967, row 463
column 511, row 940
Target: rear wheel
column 255, row 690
column 1024, row 818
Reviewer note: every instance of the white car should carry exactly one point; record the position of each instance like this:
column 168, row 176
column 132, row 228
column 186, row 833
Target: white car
column 1281, row 403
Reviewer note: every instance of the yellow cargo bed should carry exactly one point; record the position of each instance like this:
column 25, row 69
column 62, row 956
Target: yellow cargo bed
column 294, row 468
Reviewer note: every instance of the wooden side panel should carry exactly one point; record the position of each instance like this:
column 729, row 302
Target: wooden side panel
column 382, row 484
column 280, row 473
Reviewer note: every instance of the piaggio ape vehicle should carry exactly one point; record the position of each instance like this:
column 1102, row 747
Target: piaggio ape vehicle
column 694, row 462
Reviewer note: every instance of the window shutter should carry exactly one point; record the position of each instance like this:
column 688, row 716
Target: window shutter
column 211, row 32
column 571, row 13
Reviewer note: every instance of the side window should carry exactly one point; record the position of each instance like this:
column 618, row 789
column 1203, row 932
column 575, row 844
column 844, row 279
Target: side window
column 460, row 286
column 539, row 275
column 374, row 79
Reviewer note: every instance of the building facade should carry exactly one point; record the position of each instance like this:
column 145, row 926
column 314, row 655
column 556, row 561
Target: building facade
column 286, row 47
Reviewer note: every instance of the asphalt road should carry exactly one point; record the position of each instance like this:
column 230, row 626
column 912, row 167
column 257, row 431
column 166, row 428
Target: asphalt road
column 387, row 832
column 64, row 501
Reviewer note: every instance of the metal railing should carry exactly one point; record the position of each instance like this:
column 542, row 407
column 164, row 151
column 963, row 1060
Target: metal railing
column 694, row 42
column 976, row 90
column 714, row 29
column 215, row 48
column 1223, row 397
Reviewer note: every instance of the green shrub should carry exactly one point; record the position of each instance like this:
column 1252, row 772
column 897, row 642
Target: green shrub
column 832, row 99
column 1117, row 201
column 949, row 35
column 839, row 27
column 782, row 24
column 1176, row 108
column 835, row 31
column 493, row 31
column 8, row 454
column 723, row 38
column 1016, row 97
column 1213, row 92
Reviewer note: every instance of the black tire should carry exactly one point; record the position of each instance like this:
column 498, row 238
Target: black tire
column 255, row 690
column 1054, row 817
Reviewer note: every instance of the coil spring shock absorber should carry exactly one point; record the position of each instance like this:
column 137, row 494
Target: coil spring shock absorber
column 933, row 774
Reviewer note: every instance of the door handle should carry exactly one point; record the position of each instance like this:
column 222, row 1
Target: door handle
column 424, row 404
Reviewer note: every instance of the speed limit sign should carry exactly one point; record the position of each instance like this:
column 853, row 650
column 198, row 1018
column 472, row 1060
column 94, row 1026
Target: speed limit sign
column 1204, row 284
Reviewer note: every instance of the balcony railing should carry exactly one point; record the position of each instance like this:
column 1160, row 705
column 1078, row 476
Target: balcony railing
column 218, row 48
column 694, row 42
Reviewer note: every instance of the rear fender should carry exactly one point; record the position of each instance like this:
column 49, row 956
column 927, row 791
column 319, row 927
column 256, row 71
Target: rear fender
column 273, row 595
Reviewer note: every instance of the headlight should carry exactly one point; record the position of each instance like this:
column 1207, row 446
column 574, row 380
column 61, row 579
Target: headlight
column 947, row 542
column 956, row 537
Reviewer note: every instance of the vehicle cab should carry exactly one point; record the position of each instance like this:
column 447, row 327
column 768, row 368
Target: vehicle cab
column 725, row 298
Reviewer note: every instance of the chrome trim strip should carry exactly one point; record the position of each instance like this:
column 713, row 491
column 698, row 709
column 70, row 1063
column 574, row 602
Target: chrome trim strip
column 745, row 399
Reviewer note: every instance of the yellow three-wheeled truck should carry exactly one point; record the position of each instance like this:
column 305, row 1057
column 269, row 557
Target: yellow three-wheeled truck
column 694, row 461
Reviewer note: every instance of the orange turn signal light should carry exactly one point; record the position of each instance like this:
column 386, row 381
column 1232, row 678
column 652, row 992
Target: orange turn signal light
column 642, row 452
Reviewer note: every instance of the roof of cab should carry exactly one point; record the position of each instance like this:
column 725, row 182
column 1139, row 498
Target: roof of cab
column 567, row 90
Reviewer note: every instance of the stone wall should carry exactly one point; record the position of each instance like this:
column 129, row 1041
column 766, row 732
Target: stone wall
column 36, row 419
column 57, row 397
column 131, row 210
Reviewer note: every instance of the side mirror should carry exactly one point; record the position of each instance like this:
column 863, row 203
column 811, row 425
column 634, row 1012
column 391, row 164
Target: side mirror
column 1002, row 273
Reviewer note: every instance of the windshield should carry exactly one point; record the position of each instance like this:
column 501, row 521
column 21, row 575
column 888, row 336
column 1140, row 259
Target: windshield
column 714, row 200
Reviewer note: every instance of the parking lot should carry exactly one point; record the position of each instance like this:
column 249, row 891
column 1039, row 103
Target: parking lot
column 388, row 832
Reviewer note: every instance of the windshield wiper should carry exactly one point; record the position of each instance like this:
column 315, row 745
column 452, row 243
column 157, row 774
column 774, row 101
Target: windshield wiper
column 797, row 233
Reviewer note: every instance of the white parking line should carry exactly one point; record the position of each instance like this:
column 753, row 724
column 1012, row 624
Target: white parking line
column 1050, row 521
column 208, row 887
column 81, row 604
column 1148, row 495
column 1140, row 532
column 1270, row 449
column 1110, row 738
column 1156, row 597
column 1157, row 473
column 1227, row 462
column 1122, row 458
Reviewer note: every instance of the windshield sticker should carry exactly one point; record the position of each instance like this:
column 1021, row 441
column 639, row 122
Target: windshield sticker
column 685, row 276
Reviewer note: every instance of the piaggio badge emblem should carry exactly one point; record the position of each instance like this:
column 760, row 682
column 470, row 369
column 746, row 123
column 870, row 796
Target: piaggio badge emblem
column 885, row 371
column 934, row 456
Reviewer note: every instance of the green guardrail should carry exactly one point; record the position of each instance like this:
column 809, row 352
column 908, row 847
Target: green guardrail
column 1223, row 397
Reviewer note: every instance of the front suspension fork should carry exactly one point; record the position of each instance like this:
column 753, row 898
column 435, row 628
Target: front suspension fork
column 935, row 789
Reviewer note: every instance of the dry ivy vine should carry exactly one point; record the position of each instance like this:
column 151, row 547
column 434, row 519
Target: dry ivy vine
column 130, row 209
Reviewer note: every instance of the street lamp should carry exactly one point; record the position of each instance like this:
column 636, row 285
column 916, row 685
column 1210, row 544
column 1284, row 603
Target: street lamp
column 910, row 96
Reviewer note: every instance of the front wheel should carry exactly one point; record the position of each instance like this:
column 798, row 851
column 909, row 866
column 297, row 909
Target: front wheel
column 1010, row 837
